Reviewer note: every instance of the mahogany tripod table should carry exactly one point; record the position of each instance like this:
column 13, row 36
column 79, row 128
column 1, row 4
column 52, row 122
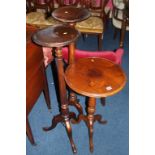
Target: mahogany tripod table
column 94, row 78
column 59, row 36
column 69, row 15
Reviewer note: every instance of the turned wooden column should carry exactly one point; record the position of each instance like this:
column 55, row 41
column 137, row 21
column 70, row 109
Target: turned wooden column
column 65, row 114
column 73, row 101
column 91, row 110
column 59, row 36
column 122, row 33
column 70, row 15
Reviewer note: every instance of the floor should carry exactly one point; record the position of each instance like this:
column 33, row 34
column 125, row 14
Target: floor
column 109, row 139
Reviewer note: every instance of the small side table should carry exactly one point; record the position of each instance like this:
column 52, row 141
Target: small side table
column 94, row 78
column 59, row 36
column 70, row 15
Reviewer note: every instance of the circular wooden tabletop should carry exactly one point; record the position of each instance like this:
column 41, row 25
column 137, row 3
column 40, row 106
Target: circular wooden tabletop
column 56, row 36
column 95, row 77
column 70, row 14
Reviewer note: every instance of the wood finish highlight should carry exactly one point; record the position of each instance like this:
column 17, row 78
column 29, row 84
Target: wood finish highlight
column 70, row 15
column 59, row 36
column 94, row 78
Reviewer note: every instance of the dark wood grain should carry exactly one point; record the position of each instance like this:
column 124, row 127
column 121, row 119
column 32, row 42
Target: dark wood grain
column 94, row 77
column 70, row 14
column 59, row 36
column 56, row 36
column 80, row 10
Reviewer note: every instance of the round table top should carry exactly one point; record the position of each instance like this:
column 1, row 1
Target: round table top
column 70, row 14
column 56, row 36
column 95, row 77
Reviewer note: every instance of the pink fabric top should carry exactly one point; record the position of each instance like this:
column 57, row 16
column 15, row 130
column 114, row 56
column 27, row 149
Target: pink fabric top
column 47, row 52
column 69, row 1
column 73, row 1
column 42, row 1
column 116, row 57
column 110, row 4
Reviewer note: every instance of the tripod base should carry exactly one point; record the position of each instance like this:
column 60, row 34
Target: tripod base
column 90, row 122
column 66, row 122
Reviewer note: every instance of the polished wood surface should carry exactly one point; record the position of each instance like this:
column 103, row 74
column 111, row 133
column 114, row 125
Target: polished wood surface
column 56, row 36
column 36, row 81
column 89, row 119
column 70, row 14
column 95, row 77
column 59, row 36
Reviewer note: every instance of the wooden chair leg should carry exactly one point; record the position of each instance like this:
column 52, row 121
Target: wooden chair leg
column 122, row 35
column 47, row 97
column 83, row 37
column 90, row 122
column 103, row 102
column 29, row 132
column 46, row 91
column 100, row 39
column 115, row 33
column 105, row 19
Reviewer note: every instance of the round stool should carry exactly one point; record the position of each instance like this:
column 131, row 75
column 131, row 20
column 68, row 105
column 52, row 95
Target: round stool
column 59, row 36
column 94, row 78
